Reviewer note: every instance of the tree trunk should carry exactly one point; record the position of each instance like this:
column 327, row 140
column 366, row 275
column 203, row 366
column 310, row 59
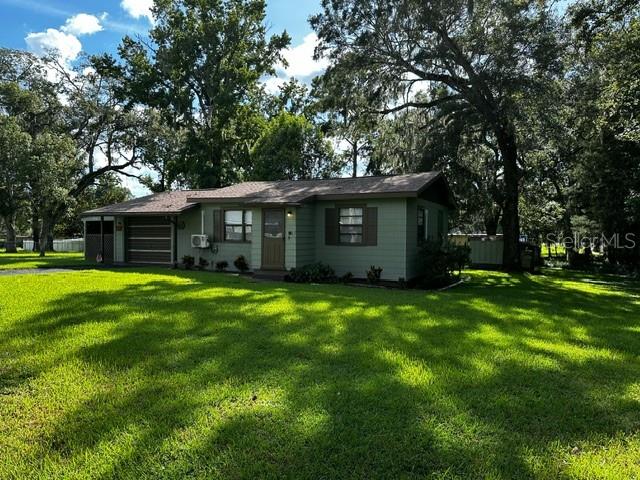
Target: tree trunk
column 11, row 234
column 491, row 221
column 35, row 233
column 44, row 234
column 354, row 159
column 510, row 215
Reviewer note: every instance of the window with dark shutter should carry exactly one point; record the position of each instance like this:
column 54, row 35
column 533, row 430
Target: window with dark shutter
column 371, row 226
column 218, row 226
column 331, row 226
column 351, row 225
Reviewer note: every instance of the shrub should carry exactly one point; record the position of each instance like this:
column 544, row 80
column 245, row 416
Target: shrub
column 188, row 261
column 241, row 263
column 222, row 265
column 373, row 275
column 440, row 264
column 312, row 273
column 580, row 261
column 347, row 277
column 402, row 283
column 203, row 263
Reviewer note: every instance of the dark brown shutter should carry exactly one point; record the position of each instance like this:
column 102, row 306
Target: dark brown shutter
column 218, row 226
column 331, row 226
column 371, row 226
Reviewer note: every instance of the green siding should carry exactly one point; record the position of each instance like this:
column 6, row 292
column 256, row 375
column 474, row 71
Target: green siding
column 256, row 245
column 226, row 251
column 305, row 235
column 389, row 253
column 290, row 235
column 432, row 210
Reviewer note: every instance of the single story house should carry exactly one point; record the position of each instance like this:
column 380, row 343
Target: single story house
column 347, row 223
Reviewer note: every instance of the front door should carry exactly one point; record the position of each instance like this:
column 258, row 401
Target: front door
column 273, row 239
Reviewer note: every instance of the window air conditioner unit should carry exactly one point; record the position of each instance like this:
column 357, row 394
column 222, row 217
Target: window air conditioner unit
column 199, row 241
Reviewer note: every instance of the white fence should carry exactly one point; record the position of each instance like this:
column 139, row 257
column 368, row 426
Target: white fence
column 65, row 245
column 486, row 250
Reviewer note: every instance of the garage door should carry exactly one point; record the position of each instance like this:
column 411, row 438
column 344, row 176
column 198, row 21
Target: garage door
column 148, row 240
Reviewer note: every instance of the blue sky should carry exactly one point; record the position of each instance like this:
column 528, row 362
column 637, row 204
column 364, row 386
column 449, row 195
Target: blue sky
column 91, row 26
column 21, row 17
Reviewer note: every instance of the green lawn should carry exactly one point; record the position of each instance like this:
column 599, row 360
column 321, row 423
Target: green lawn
column 22, row 259
column 167, row 374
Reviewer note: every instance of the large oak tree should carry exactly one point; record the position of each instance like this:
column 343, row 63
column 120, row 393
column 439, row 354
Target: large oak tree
column 488, row 54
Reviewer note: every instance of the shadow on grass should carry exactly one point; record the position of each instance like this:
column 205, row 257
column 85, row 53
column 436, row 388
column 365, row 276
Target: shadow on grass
column 217, row 376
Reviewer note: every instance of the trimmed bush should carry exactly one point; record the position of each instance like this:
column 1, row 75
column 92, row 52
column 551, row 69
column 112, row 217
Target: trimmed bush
column 374, row 274
column 241, row 263
column 222, row 265
column 312, row 273
column 188, row 261
column 441, row 263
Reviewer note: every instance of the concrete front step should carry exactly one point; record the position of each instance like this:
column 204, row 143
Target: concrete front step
column 270, row 274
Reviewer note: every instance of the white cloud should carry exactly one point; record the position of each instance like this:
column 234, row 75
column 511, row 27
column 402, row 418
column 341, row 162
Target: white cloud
column 300, row 59
column 273, row 84
column 82, row 24
column 66, row 45
column 138, row 8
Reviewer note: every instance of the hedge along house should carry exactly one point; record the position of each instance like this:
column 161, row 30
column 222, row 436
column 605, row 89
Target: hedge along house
column 347, row 223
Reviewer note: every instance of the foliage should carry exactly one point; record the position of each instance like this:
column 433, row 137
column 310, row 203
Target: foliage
column 203, row 263
column 241, row 264
column 107, row 189
column 201, row 71
column 373, row 275
column 222, row 265
column 188, row 261
column 440, row 263
column 307, row 381
column 312, row 273
column 292, row 148
column 486, row 57
column 14, row 166
column 346, row 278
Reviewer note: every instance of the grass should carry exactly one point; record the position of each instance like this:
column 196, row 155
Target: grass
column 29, row 260
column 166, row 374
column 558, row 250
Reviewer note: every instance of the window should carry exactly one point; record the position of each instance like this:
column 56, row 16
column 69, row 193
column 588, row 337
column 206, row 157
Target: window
column 351, row 225
column 423, row 230
column 237, row 225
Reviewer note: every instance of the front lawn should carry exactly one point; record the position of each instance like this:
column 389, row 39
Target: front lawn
column 166, row 374
column 29, row 260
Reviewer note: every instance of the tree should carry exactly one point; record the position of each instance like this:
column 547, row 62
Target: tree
column 14, row 157
column 102, row 131
column 291, row 147
column 200, row 69
column 108, row 189
column 486, row 54
column 348, row 116
column 52, row 179
column 604, row 95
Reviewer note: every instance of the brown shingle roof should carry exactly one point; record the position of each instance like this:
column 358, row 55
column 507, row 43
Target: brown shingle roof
column 165, row 203
column 297, row 191
column 286, row 192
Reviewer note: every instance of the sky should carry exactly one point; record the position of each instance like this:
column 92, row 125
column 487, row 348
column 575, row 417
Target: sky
column 75, row 26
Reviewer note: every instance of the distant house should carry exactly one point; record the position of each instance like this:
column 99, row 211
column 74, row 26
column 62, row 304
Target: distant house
column 347, row 223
